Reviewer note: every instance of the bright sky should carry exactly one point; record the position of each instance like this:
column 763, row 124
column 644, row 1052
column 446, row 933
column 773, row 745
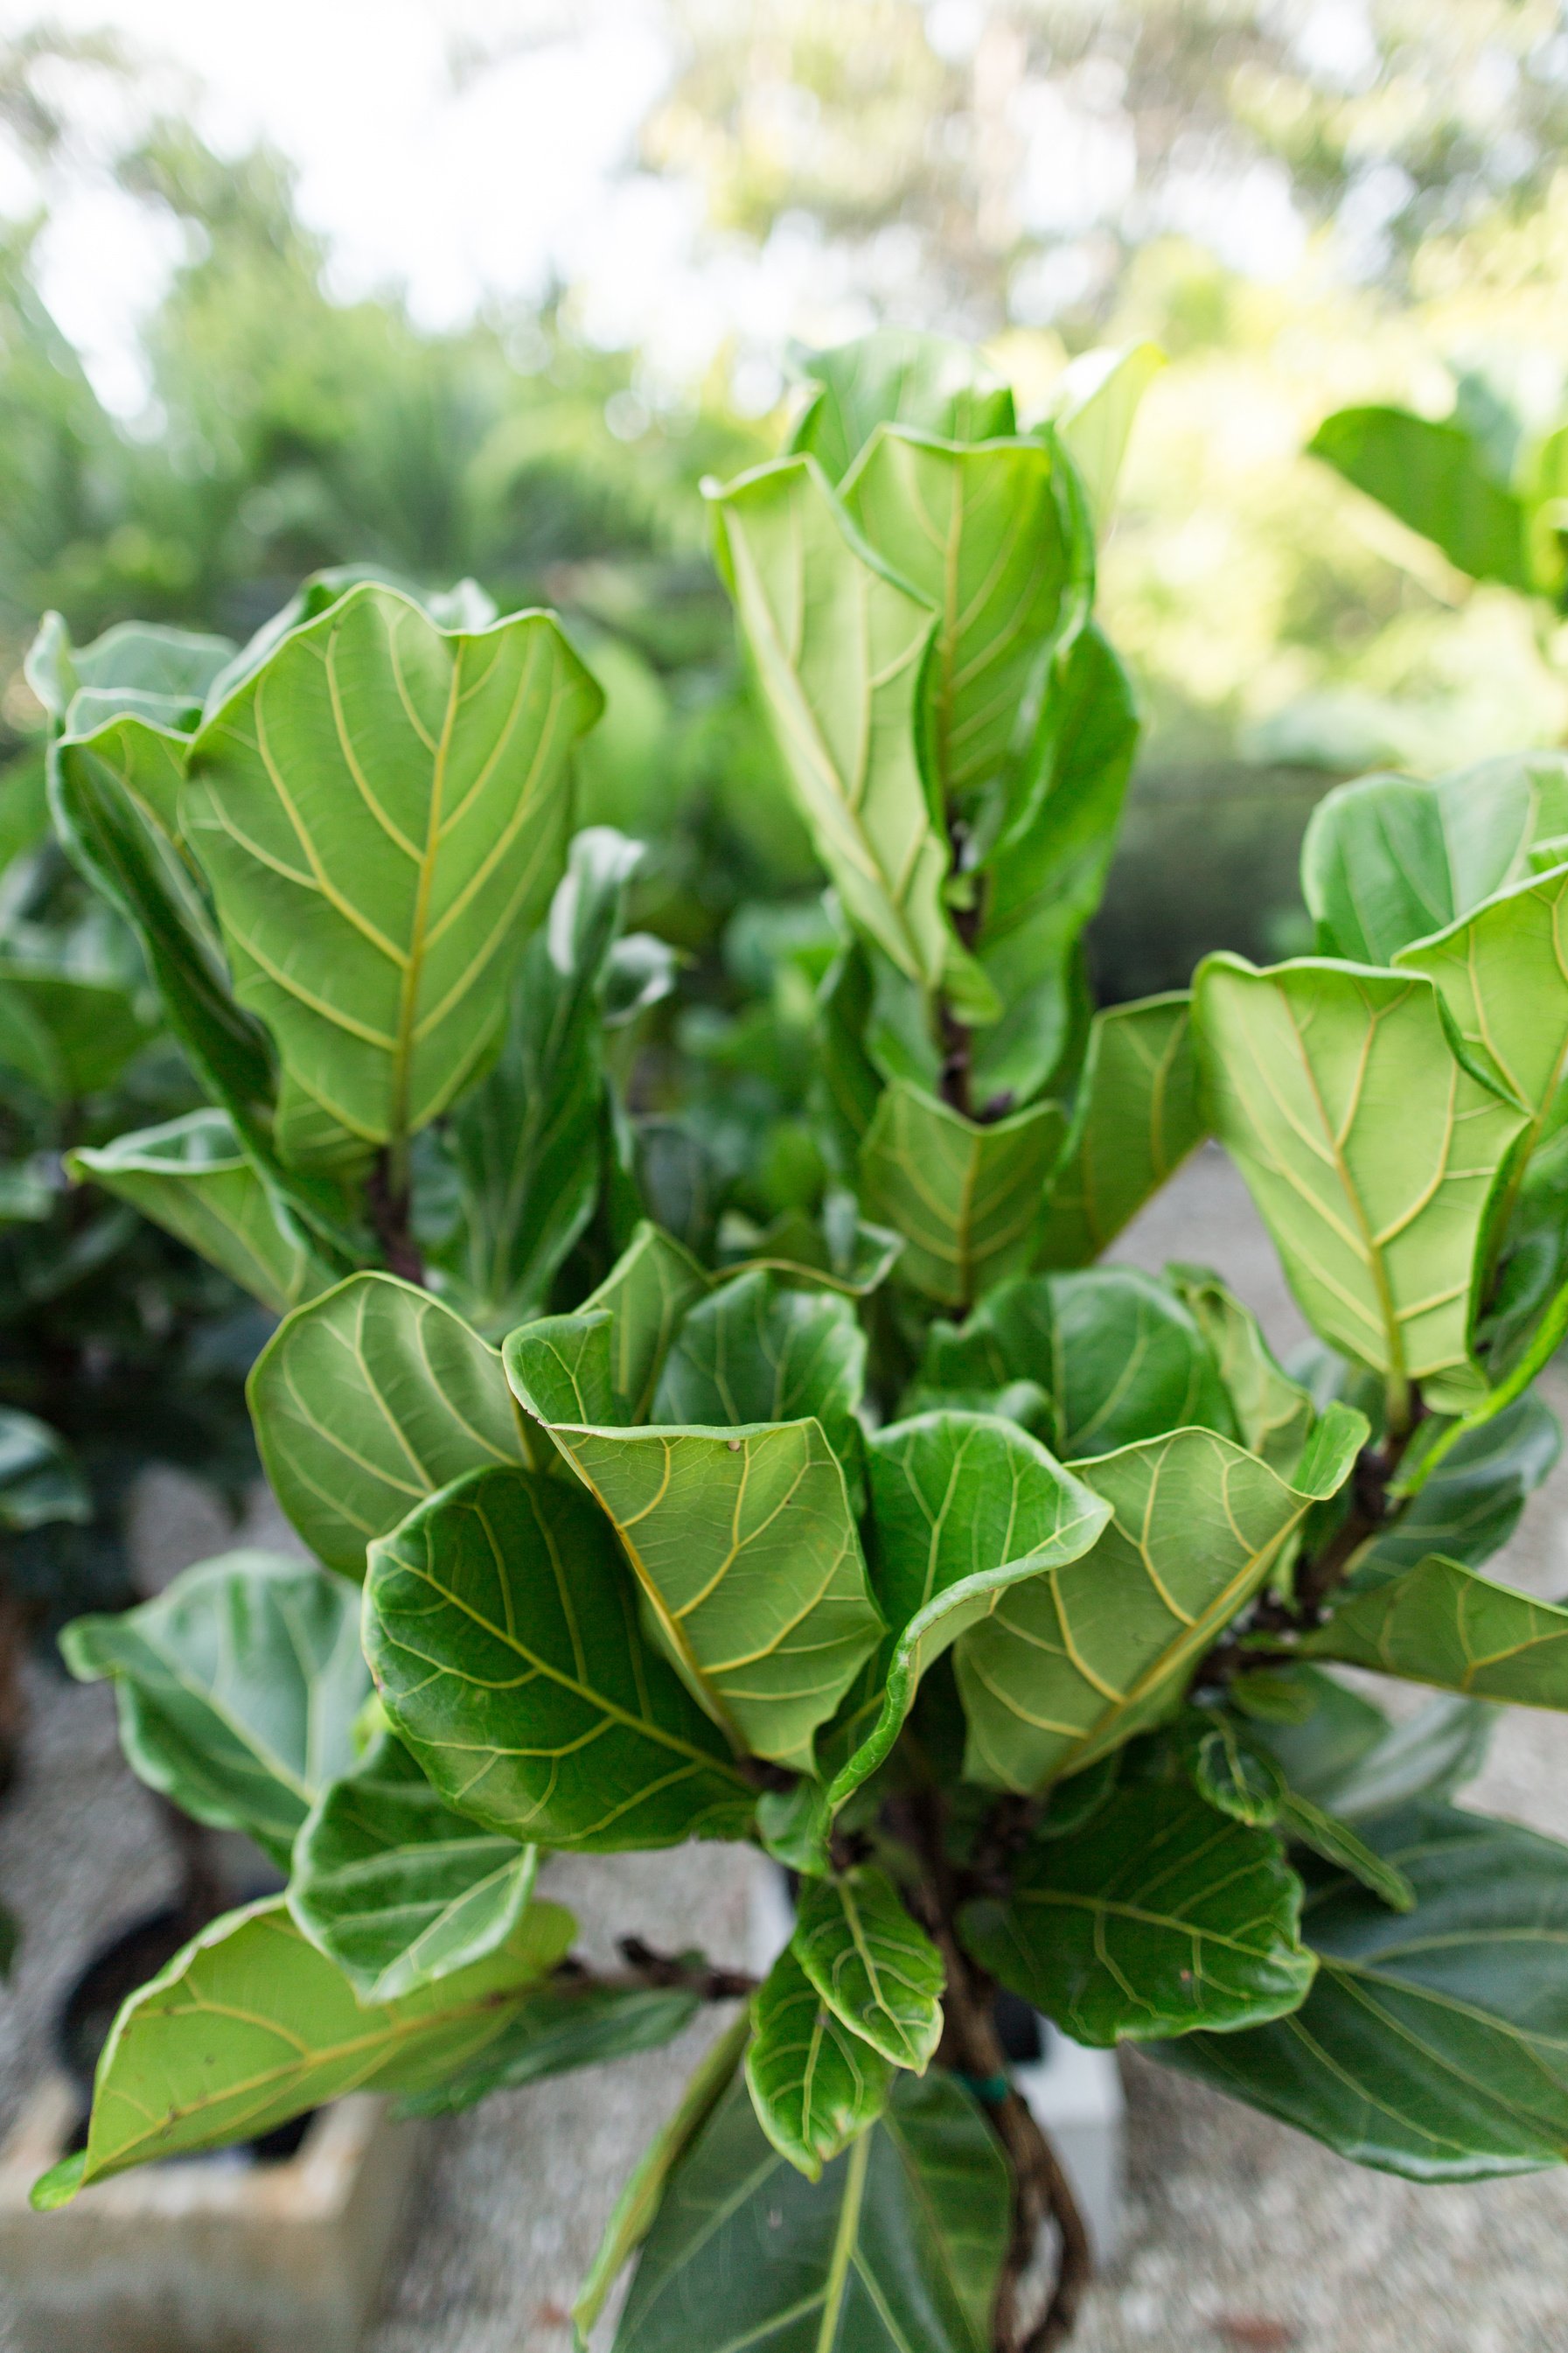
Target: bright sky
column 456, row 184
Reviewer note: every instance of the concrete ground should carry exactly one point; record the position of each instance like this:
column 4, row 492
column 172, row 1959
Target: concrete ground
column 1242, row 2234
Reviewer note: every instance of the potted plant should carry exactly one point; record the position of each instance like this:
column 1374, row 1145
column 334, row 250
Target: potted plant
column 992, row 1591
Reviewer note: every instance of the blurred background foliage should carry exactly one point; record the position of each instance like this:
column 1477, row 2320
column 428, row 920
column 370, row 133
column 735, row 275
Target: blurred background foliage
column 1307, row 203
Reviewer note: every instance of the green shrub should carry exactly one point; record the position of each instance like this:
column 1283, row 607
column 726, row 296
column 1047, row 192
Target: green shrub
column 992, row 1591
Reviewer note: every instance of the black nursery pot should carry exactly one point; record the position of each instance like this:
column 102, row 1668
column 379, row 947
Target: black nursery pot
column 90, row 2007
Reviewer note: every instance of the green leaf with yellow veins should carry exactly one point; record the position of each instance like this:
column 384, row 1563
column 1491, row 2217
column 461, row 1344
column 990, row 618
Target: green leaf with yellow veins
column 898, row 376
column 1273, row 1412
column 192, row 1177
column 238, row 1689
column 838, row 648
column 1070, row 1664
column 365, row 1401
column 1138, row 1118
column 382, row 810
column 875, row 1970
column 814, row 2085
column 1376, row 1159
column 250, row 2025
column 502, row 1629
column 743, row 1542
column 1161, row 1916
column 964, row 1197
column 752, row 1351
column 996, row 538
column 965, row 1506
column 1442, row 1624
column 1388, row 859
column 397, row 1889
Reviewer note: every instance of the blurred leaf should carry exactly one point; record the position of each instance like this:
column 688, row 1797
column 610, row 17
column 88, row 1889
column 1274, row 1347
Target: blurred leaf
column 1471, row 1504
column 1435, row 479
column 40, row 1481
column 1274, row 1413
column 1097, row 399
column 93, row 1027
column 567, row 2023
column 896, row 375
column 1136, row 1121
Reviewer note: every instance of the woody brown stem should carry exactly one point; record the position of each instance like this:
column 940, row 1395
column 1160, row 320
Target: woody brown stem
column 388, row 1204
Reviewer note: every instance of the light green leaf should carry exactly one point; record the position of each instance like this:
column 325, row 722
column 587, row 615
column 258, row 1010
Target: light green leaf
column 365, row 1401
column 502, row 1629
column 647, row 1293
column 1137, row 1119
column 839, row 649
column 1095, row 402
column 397, row 1889
column 752, row 1351
column 814, row 2085
column 133, row 658
column 382, row 809
column 40, row 1481
column 964, row 1197
column 1387, row 859
column 238, row 1689
column 1072, row 1664
column 1043, row 874
column 569, row 2022
column 191, row 1176
column 1432, row 2045
column 1375, row 1158
column 877, row 1972
column 896, row 375
column 250, row 2025
column 743, row 1542
column 837, row 1252
column 1160, row 1915
column 525, row 1141
column 965, row 1505
column 995, row 539
column 1273, row 1412
column 898, row 2249
column 1444, row 1623
column 1434, row 475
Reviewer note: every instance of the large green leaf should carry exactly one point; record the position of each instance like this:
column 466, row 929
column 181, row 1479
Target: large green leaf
column 40, row 1481
column 1137, row 1119
column 1095, row 401
column 896, row 2249
column 382, row 809
column 393, row 1886
column 963, row 1506
column 1160, row 1915
column 1471, row 1504
column 1388, row 859
column 571, row 2020
column 1434, row 475
column 1433, row 2042
column 1043, row 874
column 89, row 1027
column 996, row 538
column 191, row 1176
column 1502, row 972
column 814, row 2085
column 1072, row 1664
column 1345, row 1752
column 250, row 2025
column 754, row 1351
column 743, row 1542
column 877, row 1972
column 647, row 1293
column 365, row 1401
column 238, row 1689
column 525, row 1141
column 964, row 1197
column 502, row 1629
column 1374, row 1156
column 1274, row 1413
column 896, row 375
column 839, row 650
column 1442, row 1624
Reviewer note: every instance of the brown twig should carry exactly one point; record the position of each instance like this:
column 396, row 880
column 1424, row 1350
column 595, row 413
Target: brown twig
column 683, row 1972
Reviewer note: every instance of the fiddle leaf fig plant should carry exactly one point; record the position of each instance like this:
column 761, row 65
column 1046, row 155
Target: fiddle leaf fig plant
column 995, row 1593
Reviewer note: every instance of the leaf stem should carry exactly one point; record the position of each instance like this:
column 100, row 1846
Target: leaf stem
column 388, row 1202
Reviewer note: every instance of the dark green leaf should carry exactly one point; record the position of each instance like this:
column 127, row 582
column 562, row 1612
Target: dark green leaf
column 753, row 1352
column 567, row 2023
column 1273, row 1412
column 91, row 1027
column 898, row 2249
column 1442, row 1624
column 40, row 1482
column 502, row 1629
column 1161, row 1916
column 874, row 1967
column 238, row 1689
column 1471, row 1504
column 1137, row 1119
column 1432, row 2043
column 814, row 2085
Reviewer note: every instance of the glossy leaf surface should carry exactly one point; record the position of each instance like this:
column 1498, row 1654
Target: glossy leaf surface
column 1159, row 1916
column 368, row 1400
column 868, row 1961
column 238, row 1689
column 1373, row 1154
column 566, row 2022
column 1138, row 1119
column 393, row 1886
column 503, row 1628
column 754, row 1351
column 814, row 2085
column 1446, row 1624
column 964, row 1197
column 1432, row 2043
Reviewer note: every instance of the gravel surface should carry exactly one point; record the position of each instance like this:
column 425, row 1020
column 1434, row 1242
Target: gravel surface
column 1242, row 2234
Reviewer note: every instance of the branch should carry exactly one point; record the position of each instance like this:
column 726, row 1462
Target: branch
column 673, row 1972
